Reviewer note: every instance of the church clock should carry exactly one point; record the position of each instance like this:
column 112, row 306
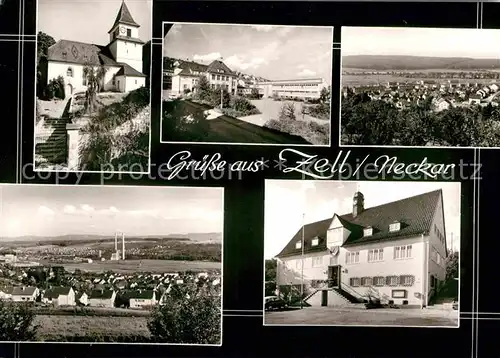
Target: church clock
column 123, row 30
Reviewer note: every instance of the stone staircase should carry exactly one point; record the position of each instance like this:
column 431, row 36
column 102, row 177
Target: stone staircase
column 336, row 297
column 51, row 141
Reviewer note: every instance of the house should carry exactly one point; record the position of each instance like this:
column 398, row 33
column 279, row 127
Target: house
column 394, row 252
column 441, row 104
column 102, row 298
column 6, row 292
column 82, row 298
column 121, row 58
column 142, row 298
column 187, row 73
column 25, row 294
column 60, row 296
column 474, row 99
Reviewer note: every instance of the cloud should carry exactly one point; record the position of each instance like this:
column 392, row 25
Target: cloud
column 69, row 209
column 174, row 29
column 263, row 28
column 236, row 61
column 306, row 72
column 87, row 208
column 208, row 57
column 43, row 210
column 112, row 210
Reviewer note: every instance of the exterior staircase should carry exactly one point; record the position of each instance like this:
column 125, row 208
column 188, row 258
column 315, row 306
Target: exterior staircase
column 336, row 297
column 51, row 142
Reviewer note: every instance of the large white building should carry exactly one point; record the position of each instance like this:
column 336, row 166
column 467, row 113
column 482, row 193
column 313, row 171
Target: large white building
column 121, row 57
column 301, row 88
column 394, row 252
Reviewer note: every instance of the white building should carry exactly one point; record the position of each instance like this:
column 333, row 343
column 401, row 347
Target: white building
column 121, row 58
column 393, row 252
column 304, row 88
column 60, row 296
column 142, row 298
column 102, row 298
column 24, row 294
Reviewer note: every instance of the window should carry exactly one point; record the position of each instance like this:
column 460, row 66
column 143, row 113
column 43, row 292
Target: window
column 129, row 32
column 69, row 72
column 354, row 282
column 352, row 257
column 317, row 261
column 392, row 280
column 114, row 81
column 366, row 281
column 64, row 54
column 433, row 281
column 399, row 294
column 375, row 255
column 213, row 77
column 218, row 77
column 395, row 226
column 378, row 281
column 407, row 280
column 135, row 81
column 315, row 242
column 298, row 245
column 84, row 79
column 368, row 231
column 402, row 252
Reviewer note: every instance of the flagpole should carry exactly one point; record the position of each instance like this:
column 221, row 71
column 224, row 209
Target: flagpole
column 302, row 265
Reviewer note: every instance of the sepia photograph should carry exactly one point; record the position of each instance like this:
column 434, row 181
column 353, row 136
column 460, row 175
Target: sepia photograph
column 93, row 108
column 111, row 264
column 420, row 87
column 362, row 253
column 246, row 84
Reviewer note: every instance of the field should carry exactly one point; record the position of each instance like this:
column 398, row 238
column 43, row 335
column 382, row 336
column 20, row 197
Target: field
column 82, row 326
column 154, row 266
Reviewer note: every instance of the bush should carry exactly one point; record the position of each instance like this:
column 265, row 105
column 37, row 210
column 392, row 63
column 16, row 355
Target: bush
column 190, row 315
column 287, row 111
column 315, row 133
column 55, row 89
column 180, row 124
column 16, row 322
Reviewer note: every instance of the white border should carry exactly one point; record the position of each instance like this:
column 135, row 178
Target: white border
column 251, row 144
column 150, row 109
column 363, row 325
column 395, row 146
column 132, row 187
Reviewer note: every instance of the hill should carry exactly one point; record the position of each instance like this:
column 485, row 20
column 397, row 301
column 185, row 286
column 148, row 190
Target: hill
column 385, row 63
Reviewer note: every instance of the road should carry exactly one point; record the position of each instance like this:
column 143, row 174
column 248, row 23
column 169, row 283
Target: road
column 232, row 130
column 357, row 317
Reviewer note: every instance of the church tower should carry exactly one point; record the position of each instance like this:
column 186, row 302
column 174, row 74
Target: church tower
column 124, row 42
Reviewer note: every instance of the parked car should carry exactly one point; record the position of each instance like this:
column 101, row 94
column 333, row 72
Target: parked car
column 274, row 302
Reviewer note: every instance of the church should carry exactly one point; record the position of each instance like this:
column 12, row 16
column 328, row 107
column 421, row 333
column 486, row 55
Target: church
column 121, row 58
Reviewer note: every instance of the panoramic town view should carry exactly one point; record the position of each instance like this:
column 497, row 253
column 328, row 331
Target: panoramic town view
column 362, row 253
column 111, row 264
column 252, row 84
column 402, row 87
column 92, row 86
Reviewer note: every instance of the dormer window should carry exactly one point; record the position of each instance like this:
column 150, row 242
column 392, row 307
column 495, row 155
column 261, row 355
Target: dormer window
column 298, row 245
column 368, row 231
column 395, row 226
column 315, row 242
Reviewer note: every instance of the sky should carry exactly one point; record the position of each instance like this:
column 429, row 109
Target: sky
column 90, row 20
column 287, row 200
column 50, row 210
column 272, row 52
column 431, row 42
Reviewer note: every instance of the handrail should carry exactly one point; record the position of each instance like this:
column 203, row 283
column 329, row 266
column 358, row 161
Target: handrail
column 356, row 293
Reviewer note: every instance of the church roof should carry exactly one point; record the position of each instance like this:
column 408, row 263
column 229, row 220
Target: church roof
column 128, row 70
column 415, row 214
column 124, row 17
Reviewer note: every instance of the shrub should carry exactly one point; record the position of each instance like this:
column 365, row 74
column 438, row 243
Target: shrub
column 180, row 124
column 55, row 89
column 16, row 322
column 191, row 314
column 315, row 133
column 287, row 111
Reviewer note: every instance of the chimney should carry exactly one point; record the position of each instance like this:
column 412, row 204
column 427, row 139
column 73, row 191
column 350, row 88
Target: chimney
column 358, row 204
column 123, row 246
column 116, row 241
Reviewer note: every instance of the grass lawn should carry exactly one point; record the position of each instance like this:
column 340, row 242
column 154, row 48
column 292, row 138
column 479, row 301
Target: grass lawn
column 57, row 327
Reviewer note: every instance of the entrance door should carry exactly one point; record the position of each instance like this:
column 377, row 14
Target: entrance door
column 324, row 298
column 334, row 276
column 68, row 91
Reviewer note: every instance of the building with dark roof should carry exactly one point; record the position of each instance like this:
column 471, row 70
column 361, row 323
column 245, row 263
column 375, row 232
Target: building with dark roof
column 393, row 252
column 102, row 298
column 121, row 57
column 60, row 296
column 24, row 294
column 142, row 298
column 185, row 75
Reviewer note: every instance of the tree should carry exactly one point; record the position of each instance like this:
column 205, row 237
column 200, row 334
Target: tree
column 94, row 77
column 270, row 276
column 324, row 95
column 254, row 93
column 452, row 266
column 43, row 42
column 202, row 88
column 287, row 111
column 17, row 321
column 190, row 314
